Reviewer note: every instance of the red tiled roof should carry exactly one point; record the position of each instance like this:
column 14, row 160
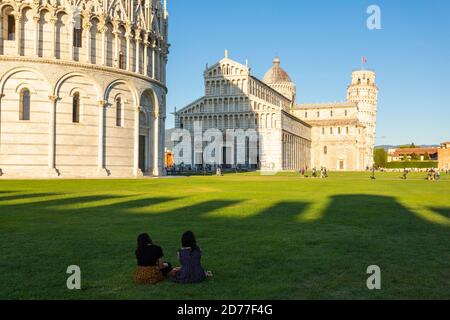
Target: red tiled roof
column 418, row 151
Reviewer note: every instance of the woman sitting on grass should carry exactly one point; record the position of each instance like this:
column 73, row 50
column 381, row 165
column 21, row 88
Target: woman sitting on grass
column 151, row 267
column 190, row 255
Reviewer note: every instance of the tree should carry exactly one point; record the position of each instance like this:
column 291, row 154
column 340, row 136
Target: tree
column 380, row 157
column 408, row 146
column 426, row 157
column 415, row 157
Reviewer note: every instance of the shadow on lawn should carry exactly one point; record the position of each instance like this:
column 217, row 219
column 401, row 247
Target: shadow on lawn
column 445, row 212
column 324, row 258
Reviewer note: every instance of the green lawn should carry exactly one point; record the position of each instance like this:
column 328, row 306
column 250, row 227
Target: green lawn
column 279, row 237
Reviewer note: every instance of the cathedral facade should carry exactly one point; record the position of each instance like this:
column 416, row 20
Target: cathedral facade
column 339, row 136
column 82, row 88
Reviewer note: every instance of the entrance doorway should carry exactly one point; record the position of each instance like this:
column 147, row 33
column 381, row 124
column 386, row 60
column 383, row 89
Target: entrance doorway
column 142, row 153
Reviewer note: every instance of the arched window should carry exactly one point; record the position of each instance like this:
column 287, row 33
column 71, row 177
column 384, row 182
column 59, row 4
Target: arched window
column 76, row 108
column 11, row 27
column 78, row 33
column 119, row 122
column 121, row 61
column 24, row 108
column 325, row 150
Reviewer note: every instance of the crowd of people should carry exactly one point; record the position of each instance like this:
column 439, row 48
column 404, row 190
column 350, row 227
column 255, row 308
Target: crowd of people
column 152, row 267
column 434, row 175
column 323, row 173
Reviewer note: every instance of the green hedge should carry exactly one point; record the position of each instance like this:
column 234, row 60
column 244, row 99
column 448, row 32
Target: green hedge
column 412, row 164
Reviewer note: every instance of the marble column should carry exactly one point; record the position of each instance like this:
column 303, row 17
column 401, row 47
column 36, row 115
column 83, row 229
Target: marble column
column 53, row 22
column 87, row 31
column 18, row 34
column 1, row 96
column 116, row 48
column 101, row 170
column 36, row 19
column 103, row 31
column 1, row 35
column 154, row 61
column 157, row 166
column 146, row 58
column 138, row 50
column 128, row 62
column 71, row 26
column 150, row 149
column 137, row 171
column 52, row 137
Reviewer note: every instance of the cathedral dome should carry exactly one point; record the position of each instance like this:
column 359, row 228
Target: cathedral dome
column 279, row 80
column 276, row 74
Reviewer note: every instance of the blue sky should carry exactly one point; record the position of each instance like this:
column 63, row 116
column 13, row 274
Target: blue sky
column 319, row 43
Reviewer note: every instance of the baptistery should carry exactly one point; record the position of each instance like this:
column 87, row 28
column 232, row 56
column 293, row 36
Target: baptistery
column 82, row 88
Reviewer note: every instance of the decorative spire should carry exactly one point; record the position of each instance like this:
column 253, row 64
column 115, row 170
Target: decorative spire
column 276, row 61
column 226, row 53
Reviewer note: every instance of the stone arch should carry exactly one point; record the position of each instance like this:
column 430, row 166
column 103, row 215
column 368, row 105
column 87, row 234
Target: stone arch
column 27, row 30
column 76, row 144
column 45, row 34
column 13, row 6
column 127, row 84
column 119, row 140
column 95, row 39
column 7, row 11
column 18, row 157
column 26, row 85
column 63, row 40
column 10, row 73
column 132, row 53
column 64, row 78
column 122, row 54
column 109, row 44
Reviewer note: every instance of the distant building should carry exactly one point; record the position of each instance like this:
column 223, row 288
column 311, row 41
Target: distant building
column 444, row 156
column 400, row 154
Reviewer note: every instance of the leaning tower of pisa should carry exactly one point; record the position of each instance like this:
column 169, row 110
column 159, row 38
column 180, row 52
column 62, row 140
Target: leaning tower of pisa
column 82, row 87
column 363, row 91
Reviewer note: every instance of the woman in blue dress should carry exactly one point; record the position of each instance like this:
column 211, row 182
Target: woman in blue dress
column 190, row 255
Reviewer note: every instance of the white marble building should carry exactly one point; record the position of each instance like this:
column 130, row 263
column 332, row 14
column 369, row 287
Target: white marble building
column 82, row 88
column 339, row 136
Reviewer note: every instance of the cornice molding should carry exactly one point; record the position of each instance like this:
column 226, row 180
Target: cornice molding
column 83, row 65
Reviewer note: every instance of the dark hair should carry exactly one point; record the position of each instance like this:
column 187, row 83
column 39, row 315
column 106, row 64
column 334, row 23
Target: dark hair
column 188, row 240
column 143, row 241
